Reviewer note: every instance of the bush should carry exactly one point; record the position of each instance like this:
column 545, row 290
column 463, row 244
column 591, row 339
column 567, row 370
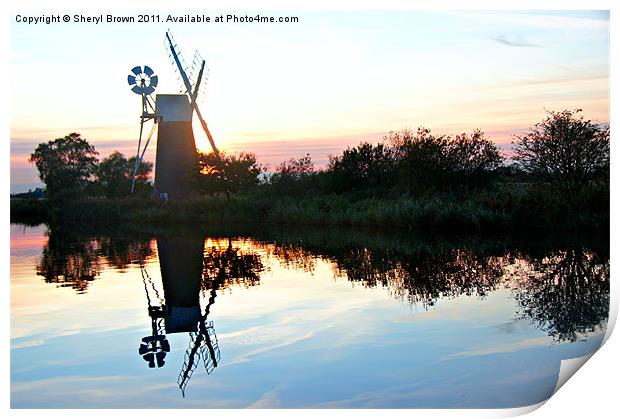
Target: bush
column 295, row 177
column 366, row 166
column 565, row 150
column 228, row 173
column 416, row 163
column 114, row 177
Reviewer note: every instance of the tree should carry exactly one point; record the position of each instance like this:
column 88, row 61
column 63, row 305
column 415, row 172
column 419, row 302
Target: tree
column 472, row 158
column 362, row 167
column 421, row 159
column 294, row 177
column 295, row 168
column 565, row 150
column 229, row 173
column 114, row 175
column 426, row 161
column 66, row 163
column 416, row 162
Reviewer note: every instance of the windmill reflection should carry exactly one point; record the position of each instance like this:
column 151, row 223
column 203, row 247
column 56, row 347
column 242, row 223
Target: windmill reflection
column 188, row 271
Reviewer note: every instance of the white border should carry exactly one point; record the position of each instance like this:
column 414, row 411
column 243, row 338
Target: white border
column 591, row 394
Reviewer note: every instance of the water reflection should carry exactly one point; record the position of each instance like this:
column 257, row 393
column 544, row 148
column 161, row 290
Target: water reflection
column 190, row 271
column 423, row 277
column 226, row 266
column 562, row 289
column 69, row 264
column 565, row 293
column 70, row 259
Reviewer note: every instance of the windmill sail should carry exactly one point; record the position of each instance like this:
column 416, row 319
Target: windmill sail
column 203, row 344
column 192, row 92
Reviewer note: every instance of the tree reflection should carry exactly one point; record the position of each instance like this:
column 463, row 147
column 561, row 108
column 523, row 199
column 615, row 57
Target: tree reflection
column 70, row 259
column 122, row 252
column 425, row 278
column 226, row 266
column 293, row 256
column 421, row 277
column 69, row 264
column 565, row 293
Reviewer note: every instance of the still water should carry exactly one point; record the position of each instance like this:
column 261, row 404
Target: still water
column 310, row 318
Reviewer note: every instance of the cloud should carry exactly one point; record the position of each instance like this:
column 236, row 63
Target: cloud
column 561, row 20
column 508, row 347
column 514, row 42
column 269, row 399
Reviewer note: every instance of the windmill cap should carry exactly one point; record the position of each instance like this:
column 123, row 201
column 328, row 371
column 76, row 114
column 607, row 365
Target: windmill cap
column 173, row 108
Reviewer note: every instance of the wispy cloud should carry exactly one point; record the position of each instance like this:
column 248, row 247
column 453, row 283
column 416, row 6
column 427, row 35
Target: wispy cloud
column 504, row 348
column 514, row 42
column 268, row 400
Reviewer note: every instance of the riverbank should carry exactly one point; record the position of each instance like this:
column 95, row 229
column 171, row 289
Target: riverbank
column 502, row 209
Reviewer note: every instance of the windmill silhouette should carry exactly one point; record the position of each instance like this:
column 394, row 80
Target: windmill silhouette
column 172, row 115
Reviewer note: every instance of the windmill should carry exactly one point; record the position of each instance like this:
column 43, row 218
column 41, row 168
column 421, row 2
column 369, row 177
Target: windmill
column 172, row 113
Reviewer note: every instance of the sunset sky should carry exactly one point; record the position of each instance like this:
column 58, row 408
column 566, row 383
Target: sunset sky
column 334, row 79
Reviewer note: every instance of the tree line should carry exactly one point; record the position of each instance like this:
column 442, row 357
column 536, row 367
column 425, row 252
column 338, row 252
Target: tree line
column 565, row 150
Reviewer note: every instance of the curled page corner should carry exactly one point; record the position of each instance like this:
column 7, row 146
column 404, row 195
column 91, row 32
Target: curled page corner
column 613, row 315
column 519, row 411
column 568, row 367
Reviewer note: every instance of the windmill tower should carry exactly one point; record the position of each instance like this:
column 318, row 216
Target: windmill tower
column 172, row 113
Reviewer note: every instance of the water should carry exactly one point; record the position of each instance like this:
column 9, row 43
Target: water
column 311, row 318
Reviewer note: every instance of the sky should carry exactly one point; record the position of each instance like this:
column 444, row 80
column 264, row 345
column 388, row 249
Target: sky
column 332, row 80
